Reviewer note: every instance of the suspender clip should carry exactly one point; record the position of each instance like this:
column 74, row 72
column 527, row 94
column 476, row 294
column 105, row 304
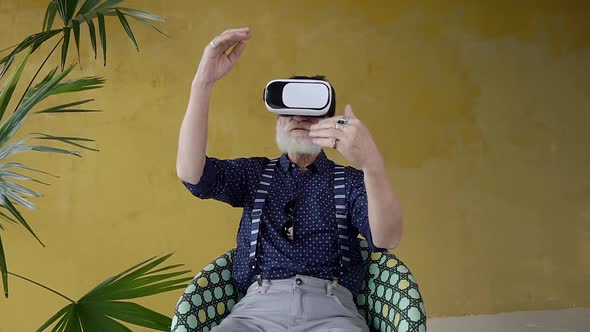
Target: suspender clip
column 335, row 282
column 259, row 280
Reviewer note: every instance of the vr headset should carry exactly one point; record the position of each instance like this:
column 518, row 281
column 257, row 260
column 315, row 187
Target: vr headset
column 288, row 97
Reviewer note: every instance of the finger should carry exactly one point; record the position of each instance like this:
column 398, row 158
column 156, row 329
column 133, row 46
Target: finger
column 323, row 133
column 326, row 123
column 325, row 142
column 348, row 112
column 236, row 52
column 229, row 38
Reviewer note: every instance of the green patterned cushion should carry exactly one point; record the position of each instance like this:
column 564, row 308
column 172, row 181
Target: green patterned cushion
column 390, row 300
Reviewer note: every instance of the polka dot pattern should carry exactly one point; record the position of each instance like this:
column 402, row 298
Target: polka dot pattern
column 314, row 251
column 198, row 310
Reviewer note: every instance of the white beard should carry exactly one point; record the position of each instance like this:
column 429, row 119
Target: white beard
column 295, row 145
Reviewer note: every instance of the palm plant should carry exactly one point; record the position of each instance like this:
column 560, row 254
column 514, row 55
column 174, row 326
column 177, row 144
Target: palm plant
column 98, row 309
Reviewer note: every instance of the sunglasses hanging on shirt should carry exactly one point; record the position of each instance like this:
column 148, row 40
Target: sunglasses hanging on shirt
column 288, row 230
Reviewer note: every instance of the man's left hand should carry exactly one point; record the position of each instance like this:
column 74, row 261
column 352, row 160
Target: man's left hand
column 353, row 140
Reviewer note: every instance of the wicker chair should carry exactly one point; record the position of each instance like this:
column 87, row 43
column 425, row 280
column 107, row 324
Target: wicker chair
column 390, row 300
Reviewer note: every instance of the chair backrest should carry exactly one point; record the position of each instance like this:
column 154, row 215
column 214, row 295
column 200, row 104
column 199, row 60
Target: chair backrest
column 389, row 300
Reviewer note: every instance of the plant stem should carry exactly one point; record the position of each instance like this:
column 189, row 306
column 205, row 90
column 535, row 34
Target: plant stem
column 37, row 73
column 43, row 286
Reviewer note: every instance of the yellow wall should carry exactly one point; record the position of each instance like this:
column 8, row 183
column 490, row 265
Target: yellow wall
column 481, row 111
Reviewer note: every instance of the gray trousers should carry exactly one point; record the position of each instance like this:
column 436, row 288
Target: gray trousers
column 297, row 304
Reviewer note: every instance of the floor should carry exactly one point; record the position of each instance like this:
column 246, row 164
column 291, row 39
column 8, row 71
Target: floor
column 567, row 320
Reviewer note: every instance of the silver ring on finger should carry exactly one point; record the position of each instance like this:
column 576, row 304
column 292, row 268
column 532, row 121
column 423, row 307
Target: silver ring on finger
column 341, row 123
column 212, row 44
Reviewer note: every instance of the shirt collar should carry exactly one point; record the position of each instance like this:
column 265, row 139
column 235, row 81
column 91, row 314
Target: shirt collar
column 321, row 164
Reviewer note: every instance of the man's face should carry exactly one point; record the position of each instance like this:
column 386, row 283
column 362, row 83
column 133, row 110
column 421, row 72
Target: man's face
column 293, row 135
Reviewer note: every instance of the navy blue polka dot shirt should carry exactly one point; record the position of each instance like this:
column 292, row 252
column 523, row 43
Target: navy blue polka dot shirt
column 314, row 248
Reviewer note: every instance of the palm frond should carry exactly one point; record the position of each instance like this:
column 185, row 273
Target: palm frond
column 141, row 14
column 67, row 140
column 14, row 211
column 105, row 306
column 17, row 176
column 127, row 28
column 10, row 84
column 78, row 85
column 76, row 28
column 88, row 6
column 21, row 166
column 72, row 20
column 66, row 107
column 3, row 269
column 49, row 16
column 31, row 99
column 108, row 4
column 102, row 29
column 92, row 32
column 33, row 41
column 65, row 46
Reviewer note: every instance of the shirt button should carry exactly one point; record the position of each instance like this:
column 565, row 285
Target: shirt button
column 298, row 281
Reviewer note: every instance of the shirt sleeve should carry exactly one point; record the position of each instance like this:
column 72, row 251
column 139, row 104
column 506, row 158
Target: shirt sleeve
column 223, row 180
column 359, row 209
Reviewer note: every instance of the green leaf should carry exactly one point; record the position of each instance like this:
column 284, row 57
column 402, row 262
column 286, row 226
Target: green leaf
column 73, row 321
column 71, row 8
column 10, row 194
column 49, row 16
column 70, row 110
column 8, row 60
column 16, row 176
column 6, row 203
column 10, row 84
column 9, row 128
column 62, row 10
column 127, row 28
column 98, row 313
column 88, row 6
column 65, row 46
column 76, row 27
column 3, row 269
column 55, row 317
column 97, row 323
column 63, row 107
column 148, row 24
column 92, row 32
column 135, row 314
column 103, row 36
column 141, row 14
column 109, row 4
column 68, row 140
column 6, row 174
column 21, row 166
column 165, row 269
column 7, row 217
column 77, row 85
column 33, row 41
column 14, row 188
column 41, row 148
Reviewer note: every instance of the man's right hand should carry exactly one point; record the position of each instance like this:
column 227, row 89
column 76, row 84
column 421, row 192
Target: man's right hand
column 216, row 62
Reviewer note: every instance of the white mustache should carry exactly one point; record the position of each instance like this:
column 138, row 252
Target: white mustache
column 300, row 125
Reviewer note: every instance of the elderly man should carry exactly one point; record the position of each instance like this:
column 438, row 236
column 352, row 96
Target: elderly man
column 298, row 264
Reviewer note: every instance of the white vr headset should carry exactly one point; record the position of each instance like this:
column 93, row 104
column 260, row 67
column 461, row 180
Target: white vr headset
column 288, row 97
